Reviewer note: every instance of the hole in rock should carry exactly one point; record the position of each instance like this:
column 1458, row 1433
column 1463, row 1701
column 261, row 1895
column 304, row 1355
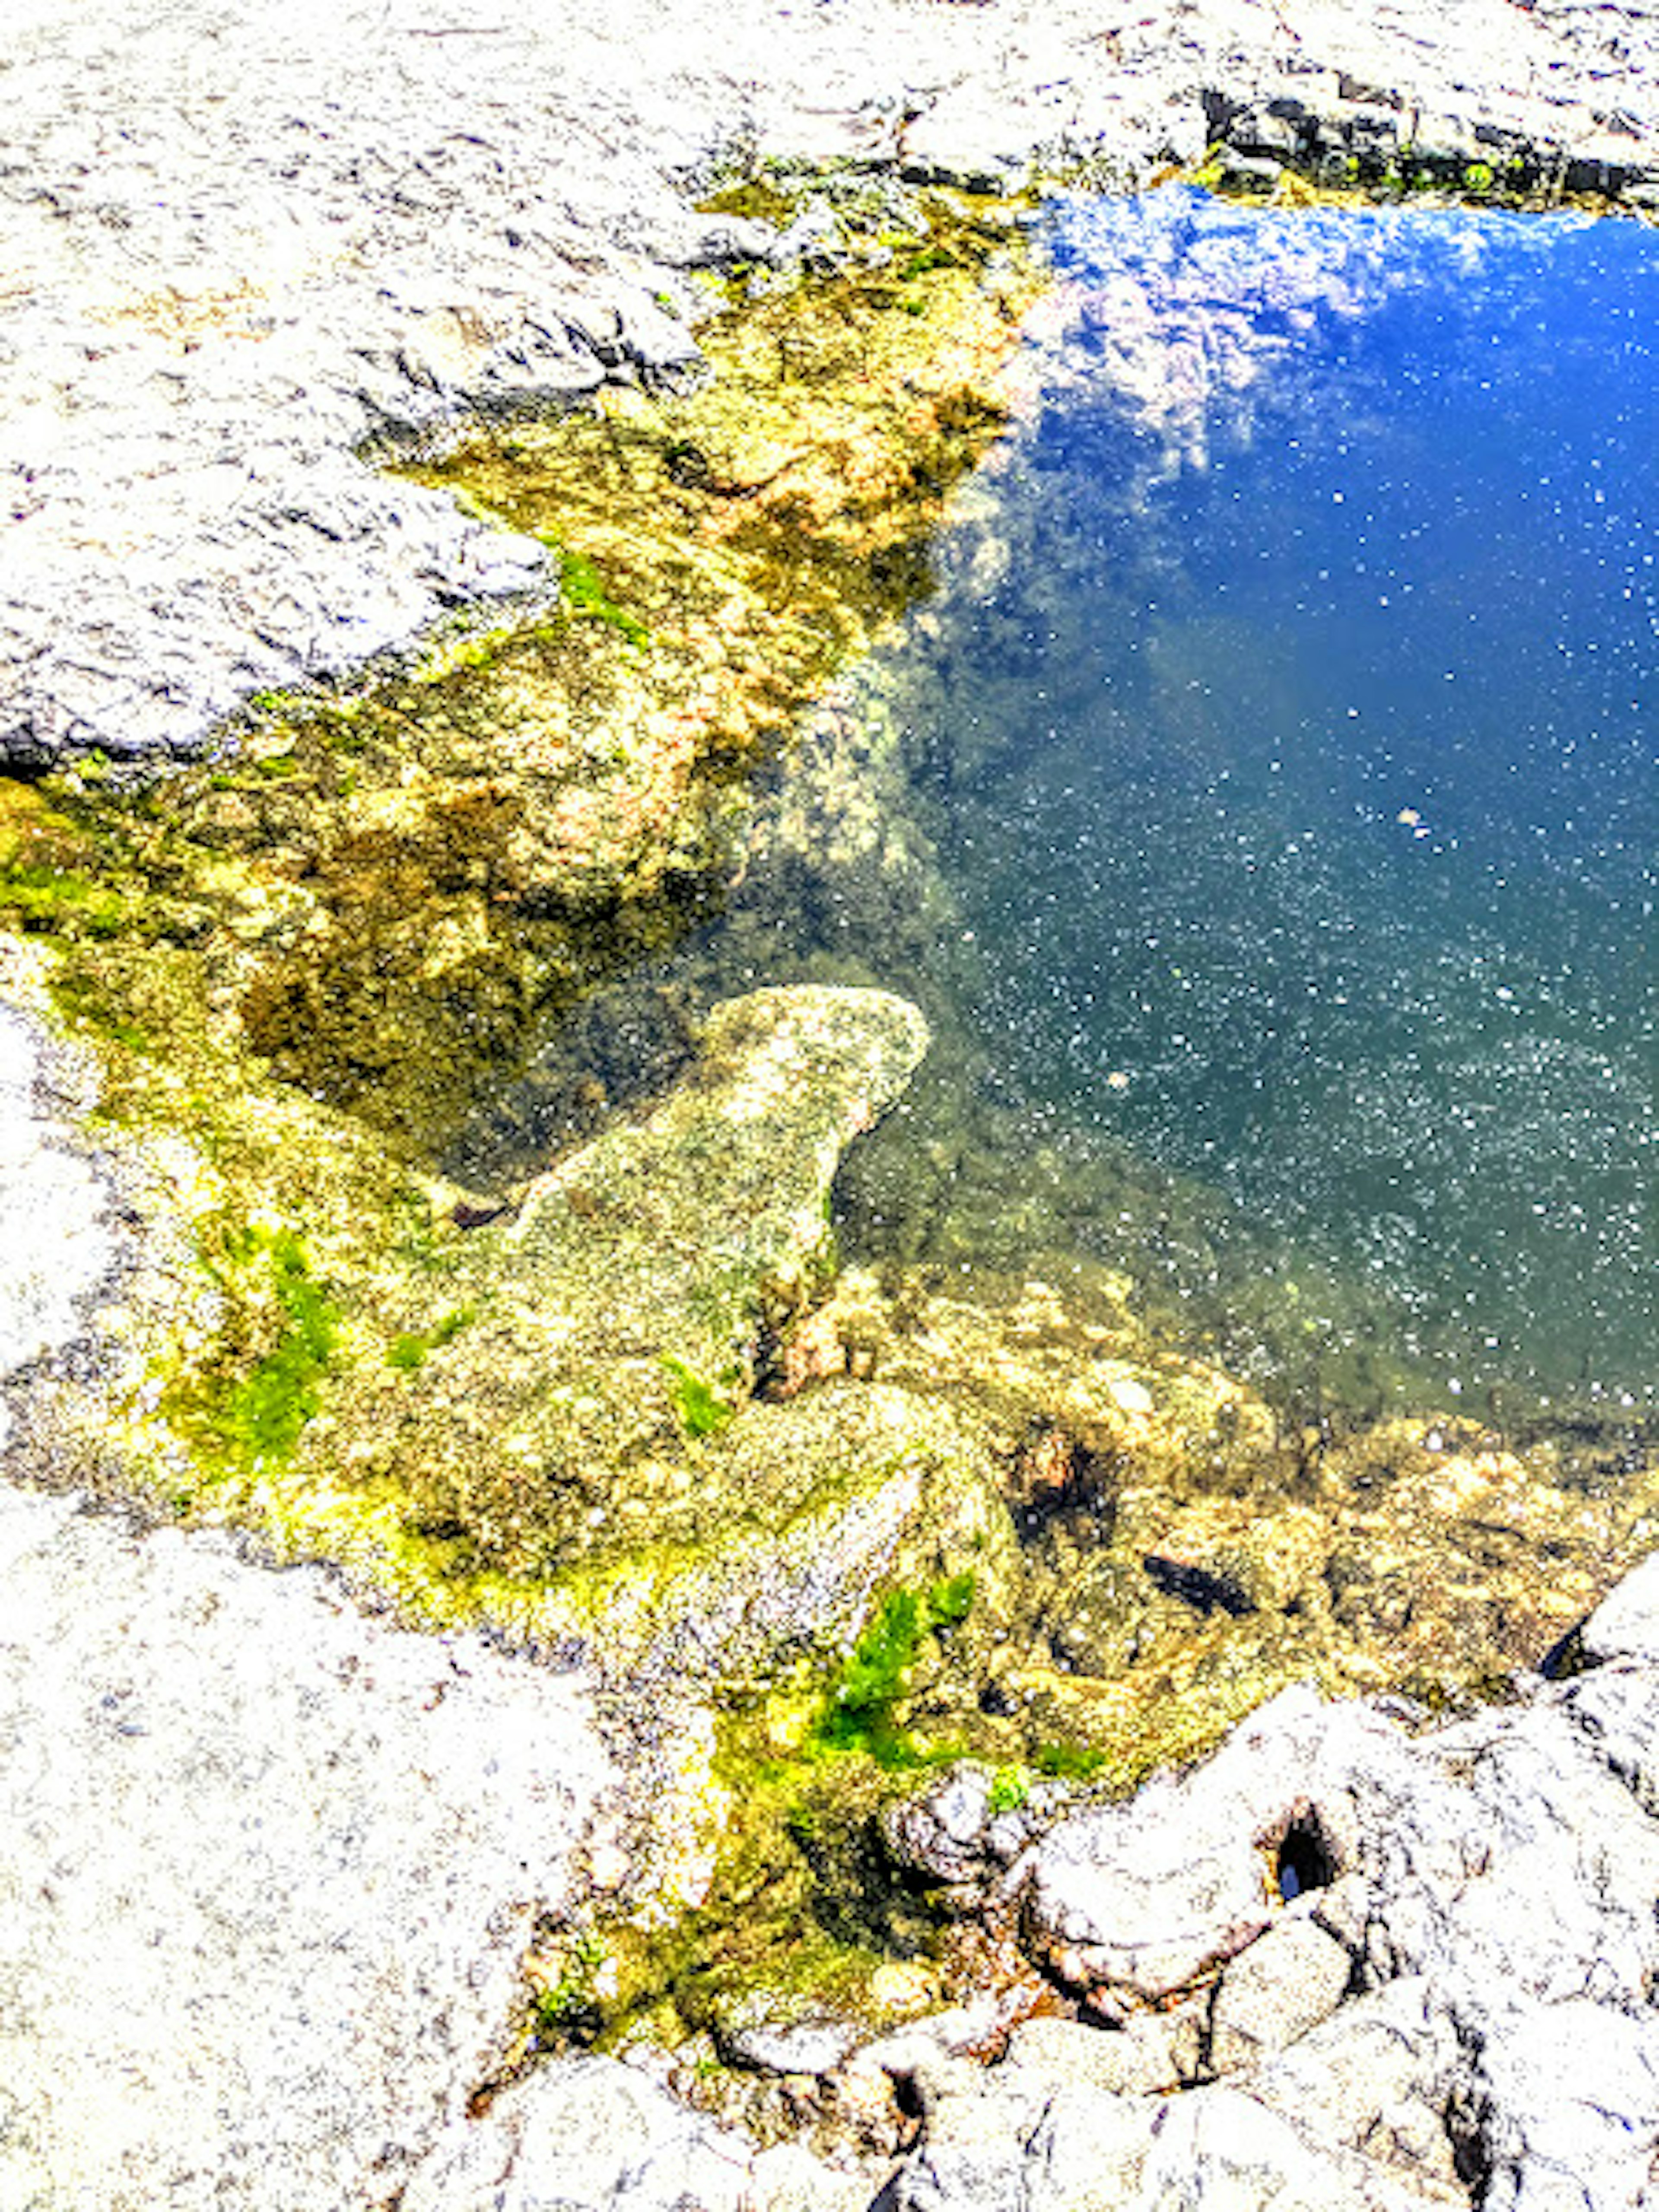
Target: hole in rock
column 1305, row 1860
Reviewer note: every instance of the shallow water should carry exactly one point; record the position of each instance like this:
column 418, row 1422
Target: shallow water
column 1289, row 729
column 1277, row 760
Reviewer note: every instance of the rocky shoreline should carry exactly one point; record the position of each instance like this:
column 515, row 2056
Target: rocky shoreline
column 371, row 227
column 1352, row 1962
column 286, row 1876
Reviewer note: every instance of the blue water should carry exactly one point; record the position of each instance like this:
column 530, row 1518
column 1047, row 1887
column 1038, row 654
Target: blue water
column 1287, row 723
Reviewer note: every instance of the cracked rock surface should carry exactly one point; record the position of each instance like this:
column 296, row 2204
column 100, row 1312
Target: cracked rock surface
column 1456, row 2008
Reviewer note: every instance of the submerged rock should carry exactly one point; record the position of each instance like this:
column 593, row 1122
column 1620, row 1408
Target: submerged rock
column 1185, row 1549
column 615, row 1324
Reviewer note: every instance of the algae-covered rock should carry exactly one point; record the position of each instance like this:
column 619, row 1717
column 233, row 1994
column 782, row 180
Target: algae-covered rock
column 1186, row 1548
column 805, row 1513
column 615, row 1325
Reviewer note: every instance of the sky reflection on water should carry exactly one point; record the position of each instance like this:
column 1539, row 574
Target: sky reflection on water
column 1290, row 737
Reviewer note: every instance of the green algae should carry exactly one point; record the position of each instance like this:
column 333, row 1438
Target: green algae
column 858, row 1714
column 1070, row 1762
column 704, row 1410
column 261, row 1416
column 804, row 1914
column 410, row 1351
column 49, row 879
column 583, row 591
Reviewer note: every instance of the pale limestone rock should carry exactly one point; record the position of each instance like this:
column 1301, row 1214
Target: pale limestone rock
column 1152, row 2051
column 1288, row 1981
column 271, row 1869
column 1625, row 1625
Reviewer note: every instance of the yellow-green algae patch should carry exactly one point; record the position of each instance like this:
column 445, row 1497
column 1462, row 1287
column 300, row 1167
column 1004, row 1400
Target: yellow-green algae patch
column 383, row 896
column 302, row 961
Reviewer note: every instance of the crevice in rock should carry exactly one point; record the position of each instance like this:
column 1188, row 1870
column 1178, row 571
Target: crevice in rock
column 1303, row 1856
column 1467, row 2119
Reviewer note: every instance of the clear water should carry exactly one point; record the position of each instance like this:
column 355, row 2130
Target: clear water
column 1266, row 807
column 1294, row 754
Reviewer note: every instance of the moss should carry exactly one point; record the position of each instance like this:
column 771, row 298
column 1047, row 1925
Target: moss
column 1070, row 1762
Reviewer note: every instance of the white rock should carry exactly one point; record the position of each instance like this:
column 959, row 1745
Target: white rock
column 1625, row 1625
column 1288, row 1981
column 268, row 1872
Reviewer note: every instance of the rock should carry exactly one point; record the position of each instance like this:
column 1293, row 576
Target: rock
column 587, row 1406
column 1219, row 2148
column 806, row 2047
column 943, row 1832
column 1485, row 1891
column 270, row 1873
column 1133, row 1903
column 960, row 1832
column 1288, row 1981
column 1385, row 2076
column 59, row 1234
column 587, row 2135
column 1152, row 2051
column 974, row 2149
column 1081, row 2151
column 1625, row 1625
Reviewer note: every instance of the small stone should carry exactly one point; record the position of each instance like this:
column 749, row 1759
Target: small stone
column 1288, row 1981
column 810, row 2046
column 1152, row 2051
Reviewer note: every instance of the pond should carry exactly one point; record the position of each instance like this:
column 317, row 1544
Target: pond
column 1268, row 806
